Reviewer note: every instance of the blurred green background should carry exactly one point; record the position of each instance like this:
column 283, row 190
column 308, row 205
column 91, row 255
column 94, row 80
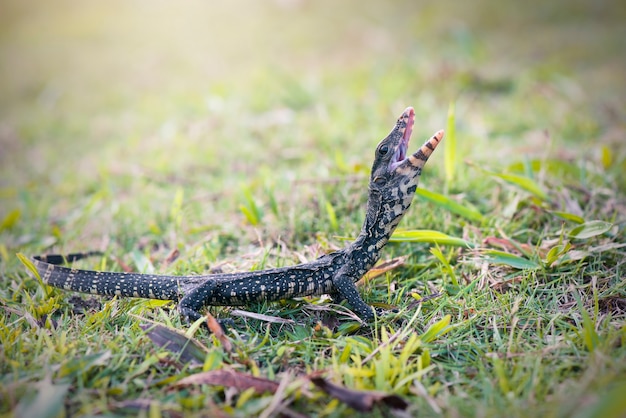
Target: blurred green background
column 212, row 94
column 241, row 133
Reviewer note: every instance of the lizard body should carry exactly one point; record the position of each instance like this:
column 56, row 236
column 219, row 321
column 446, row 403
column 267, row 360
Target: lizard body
column 393, row 182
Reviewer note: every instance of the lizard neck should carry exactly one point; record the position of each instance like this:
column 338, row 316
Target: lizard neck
column 381, row 219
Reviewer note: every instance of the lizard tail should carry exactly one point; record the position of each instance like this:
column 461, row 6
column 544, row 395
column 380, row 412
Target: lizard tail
column 106, row 283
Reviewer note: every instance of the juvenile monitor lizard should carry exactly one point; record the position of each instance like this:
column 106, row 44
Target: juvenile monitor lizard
column 393, row 182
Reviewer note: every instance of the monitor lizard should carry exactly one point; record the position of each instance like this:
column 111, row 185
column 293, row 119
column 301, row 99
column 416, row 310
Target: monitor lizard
column 393, row 181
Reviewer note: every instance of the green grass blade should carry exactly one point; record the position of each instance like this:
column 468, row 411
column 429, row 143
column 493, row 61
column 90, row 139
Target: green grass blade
column 517, row 262
column 249, row 215
column 567, row 216
column 556, row 252
column 590, row 229
column 436, row 251
column 429, row 236
column 10, row 220
column 437, row 329
column 522, row 182
column 590, row 336
column 30, row 266
column 607, row 157
column 271, row 196
column 500, row 372
column 332, row 216
column 445, row 202
column 250, row 210
column 176, row 212
column 450, row 154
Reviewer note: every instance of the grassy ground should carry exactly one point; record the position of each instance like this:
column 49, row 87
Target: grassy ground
column 241, row 133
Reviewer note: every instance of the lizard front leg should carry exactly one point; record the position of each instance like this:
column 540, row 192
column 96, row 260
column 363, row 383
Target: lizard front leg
column 345, row 288
column 196, row 299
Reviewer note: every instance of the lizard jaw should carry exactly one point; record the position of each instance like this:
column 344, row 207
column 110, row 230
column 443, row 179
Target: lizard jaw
column 408, row 118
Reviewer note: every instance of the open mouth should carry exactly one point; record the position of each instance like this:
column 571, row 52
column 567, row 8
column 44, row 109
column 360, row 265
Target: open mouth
column 408, row 116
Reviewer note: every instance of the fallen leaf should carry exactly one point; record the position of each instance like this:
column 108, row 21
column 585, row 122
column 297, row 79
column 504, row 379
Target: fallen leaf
column 187, row 349
column 230, row 379
column 361, row 400
column 218, row 331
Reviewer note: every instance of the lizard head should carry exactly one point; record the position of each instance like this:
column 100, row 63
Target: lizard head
column 394, row 174
column 392, row 186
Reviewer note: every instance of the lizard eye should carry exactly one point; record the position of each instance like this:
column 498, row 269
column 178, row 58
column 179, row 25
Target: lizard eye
column 379, row 181
column 383, row 150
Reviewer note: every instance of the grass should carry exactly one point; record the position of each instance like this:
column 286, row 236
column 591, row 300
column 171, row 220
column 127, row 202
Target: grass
column 206, row 130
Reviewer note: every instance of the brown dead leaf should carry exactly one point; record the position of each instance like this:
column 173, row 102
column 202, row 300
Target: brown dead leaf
column 218, row 331
column 361, row 400
column 382, row 268
column 230, row 379
column 187, row 349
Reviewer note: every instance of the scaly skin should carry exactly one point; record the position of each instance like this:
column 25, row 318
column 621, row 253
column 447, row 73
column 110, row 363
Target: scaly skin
column 393, row 182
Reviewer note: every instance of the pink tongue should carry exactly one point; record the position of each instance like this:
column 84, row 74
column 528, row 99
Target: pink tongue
column 409, row 125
